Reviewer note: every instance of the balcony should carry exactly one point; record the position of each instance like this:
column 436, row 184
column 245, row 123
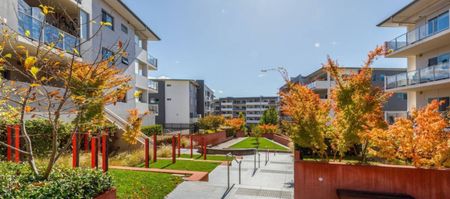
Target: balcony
column 257, row 103
column 48, row 34
column 153, row 86
column 141, row 81
column 320, row 84
column 226, row 103
column 153, row 108
column 431, row 76
column 226, row 109
column 256, row 109
column 425, row 37
column 152, row 60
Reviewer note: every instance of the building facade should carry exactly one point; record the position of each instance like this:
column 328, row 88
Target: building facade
column 321, row 82
column 179, row 103
column 74, row 20
column 425, row 45
column 252, row 107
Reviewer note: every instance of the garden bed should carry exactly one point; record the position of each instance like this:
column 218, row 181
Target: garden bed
column 264, row 144
column 187, row 165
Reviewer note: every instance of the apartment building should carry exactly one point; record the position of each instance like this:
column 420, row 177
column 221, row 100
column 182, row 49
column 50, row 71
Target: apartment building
column 252, row 107
column 426, row 46
column 321, row 82
column 73, row 19
column 179, row 103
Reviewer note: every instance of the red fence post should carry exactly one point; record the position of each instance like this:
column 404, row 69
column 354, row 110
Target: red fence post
column 94, row 153
column 105, row 152
column 147, row 147
column 86, row 142
column 204, row 148
column 191, row 145
column 17, row 143
column 8, row 142
column 154, row 148
column 173, row 150
column 74, row 151
column 179, row 144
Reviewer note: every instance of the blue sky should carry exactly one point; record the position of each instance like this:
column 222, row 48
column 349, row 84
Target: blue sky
column 227, row 42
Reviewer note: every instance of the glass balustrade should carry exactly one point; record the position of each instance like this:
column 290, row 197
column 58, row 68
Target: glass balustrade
column 420, row 76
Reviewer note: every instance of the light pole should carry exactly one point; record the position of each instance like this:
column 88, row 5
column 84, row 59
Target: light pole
column 283, row 72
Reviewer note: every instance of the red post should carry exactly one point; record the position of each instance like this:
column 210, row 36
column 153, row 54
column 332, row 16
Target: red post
column 105, row 152
column 94, row 153
column 154, row 148
column 17, row 143
column 74, row 151
column 173, row 150
column 191, row 145
column 146, row 158
column 8, row 142
column 86, row 142
column 204, row 148
column 179, row 144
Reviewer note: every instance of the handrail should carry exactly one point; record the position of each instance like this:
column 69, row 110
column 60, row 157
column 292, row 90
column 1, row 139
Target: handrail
column 419, row 76
column 122, row 124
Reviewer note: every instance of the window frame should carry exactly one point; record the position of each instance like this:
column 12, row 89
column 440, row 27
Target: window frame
column 106, row 14
column 124, row 28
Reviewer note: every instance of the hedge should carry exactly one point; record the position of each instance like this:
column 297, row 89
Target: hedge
column 152, row 130
column 17, row 181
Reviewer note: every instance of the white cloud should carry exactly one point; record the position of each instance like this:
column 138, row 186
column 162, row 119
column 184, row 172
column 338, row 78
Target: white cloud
column 334, row 43
column 261, row 75
column 317, row 44
column 220, row 91
column 163, row 77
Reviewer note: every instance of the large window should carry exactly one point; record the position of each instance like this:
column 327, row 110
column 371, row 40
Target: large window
column 106, row 17
column 106, row 53
column 84, row 24
column 438, row 23
column 124, row 28
column 444, row 58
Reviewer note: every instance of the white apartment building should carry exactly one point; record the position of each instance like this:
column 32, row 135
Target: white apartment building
column 73, row 19
column 426, row 46
column 252, row 107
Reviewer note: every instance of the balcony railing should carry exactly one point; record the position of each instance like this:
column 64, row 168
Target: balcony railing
column 153, row 108
column 153, row 84
column 419, row 33
column 423, row 75
column 47, row 33
column 152, row 60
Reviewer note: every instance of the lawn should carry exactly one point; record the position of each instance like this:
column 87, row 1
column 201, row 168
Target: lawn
column 208, row 157
column 263, row 144
column 187, row 165
column 137, row 184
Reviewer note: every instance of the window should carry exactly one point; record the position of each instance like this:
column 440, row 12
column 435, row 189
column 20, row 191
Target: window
column 438, row 23
column 169, row 99
column 382, row 77
column 84, row 24
column 106, row 53
column 106, row 17
column 169, row 85
column 124, row 29
column 402, row 96
column 439, row 59
column 125, row 60
column 445, row 102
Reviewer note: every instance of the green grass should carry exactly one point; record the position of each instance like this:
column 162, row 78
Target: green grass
column 208, row 157
column 263, row 144
column 137, row 184
column 187, row 165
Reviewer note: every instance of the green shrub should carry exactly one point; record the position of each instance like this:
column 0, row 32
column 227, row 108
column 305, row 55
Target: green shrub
column 17, row 181
column 152, row 130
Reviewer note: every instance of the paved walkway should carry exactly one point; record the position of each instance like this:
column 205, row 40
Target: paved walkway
column 274, row 180
column 229, row 143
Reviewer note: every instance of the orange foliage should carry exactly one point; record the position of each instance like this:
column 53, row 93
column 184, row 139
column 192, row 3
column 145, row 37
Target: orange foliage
column 235, row 124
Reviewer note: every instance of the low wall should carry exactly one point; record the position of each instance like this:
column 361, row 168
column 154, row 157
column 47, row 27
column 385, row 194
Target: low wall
column 284, row 140
column 320, row 180
column 212, row 139
column 241, row 134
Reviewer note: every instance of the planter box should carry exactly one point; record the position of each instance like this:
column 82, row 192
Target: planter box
column 111, row 194
column 322, row 180
column 284, row 140
column 212, row 139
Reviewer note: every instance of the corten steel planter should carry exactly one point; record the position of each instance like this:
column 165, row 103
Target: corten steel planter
column 110, row 194
column 323, row 180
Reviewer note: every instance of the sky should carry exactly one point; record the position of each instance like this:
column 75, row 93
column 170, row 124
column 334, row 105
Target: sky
column 228, row 42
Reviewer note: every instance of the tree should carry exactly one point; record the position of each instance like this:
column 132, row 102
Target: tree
column 262, row 129
column 211, row 122
column 235, row 124
column 308, row 117
column 420, row 139
column 357, row 106
column 57, row 83
column 270, row 116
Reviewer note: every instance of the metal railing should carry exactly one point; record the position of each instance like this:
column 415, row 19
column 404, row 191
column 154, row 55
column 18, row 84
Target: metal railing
column 152, row 60
column 153, row 108
column 423, row 75
column 419, row 33
column 153, row 85
column 50, row 35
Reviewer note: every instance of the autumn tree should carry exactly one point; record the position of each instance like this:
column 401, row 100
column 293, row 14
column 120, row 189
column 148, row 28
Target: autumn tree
column 55, row 82
column 270, row 116
column 357, row 106
column 420, row 139
column 211, row 122
column 235, row 124
column 307, row 117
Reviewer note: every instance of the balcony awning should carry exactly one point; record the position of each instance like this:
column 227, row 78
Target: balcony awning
column 409, row 14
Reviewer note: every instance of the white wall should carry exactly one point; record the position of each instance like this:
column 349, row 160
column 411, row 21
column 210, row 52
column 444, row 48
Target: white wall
column 177, row 108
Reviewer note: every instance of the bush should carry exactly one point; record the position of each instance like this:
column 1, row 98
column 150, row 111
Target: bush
column 152, row 130
column 128, row 158
column 185, row 142
column 17, row 181
column 164, row 151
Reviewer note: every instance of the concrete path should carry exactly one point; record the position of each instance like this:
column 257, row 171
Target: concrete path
column 274, row 180
column 229, row 143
